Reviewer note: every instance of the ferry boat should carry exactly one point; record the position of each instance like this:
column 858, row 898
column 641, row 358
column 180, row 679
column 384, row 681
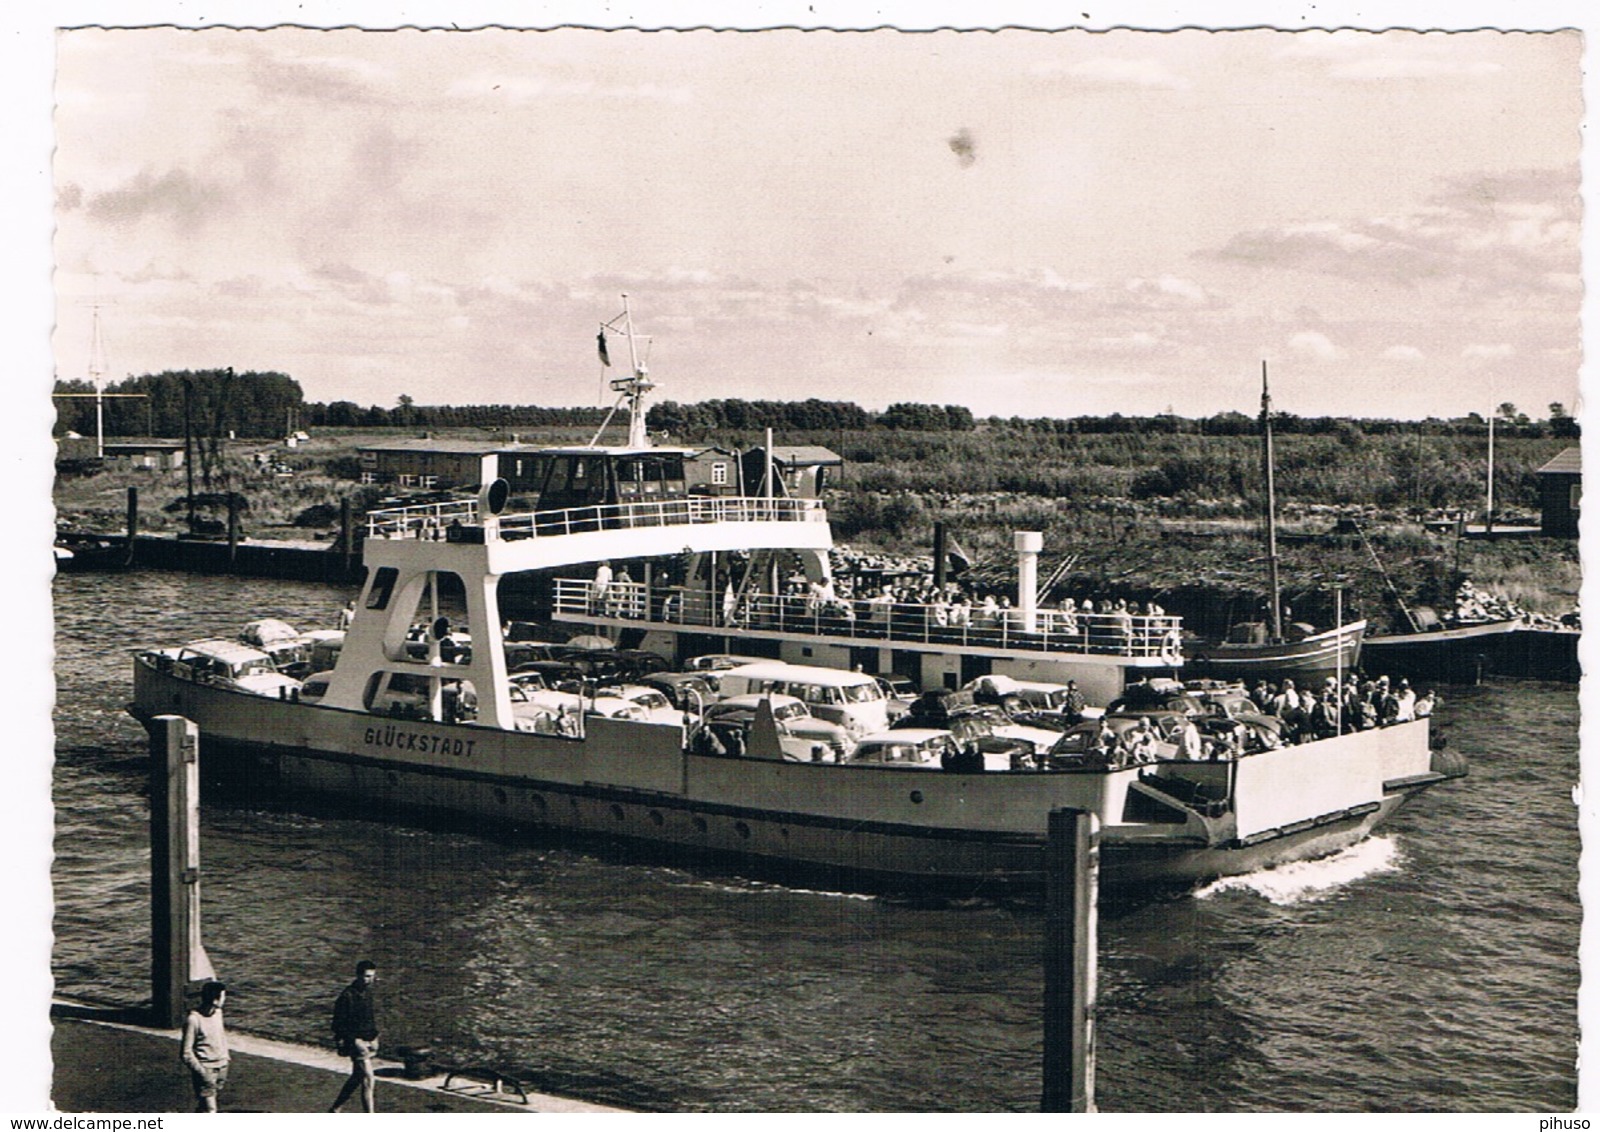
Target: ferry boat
column 389, row 733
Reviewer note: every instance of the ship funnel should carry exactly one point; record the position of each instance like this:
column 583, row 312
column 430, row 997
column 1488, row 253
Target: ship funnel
column 1028, row 544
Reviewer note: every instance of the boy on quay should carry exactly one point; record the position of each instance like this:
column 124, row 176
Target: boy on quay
column 204, row 1048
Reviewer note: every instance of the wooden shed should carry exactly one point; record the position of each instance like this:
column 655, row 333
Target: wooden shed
column 1560, row 493
column 427, row 462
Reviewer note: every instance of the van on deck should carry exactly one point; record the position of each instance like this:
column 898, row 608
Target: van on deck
column 854, row 700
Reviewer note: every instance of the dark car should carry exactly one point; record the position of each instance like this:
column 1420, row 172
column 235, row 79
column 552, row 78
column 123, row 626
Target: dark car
column 972, row 727
column 934, row 708
column 644, row 662
column 556, row 674
column 613, row 665
column 1155, row 697
column 522, row 652
column 687, row 690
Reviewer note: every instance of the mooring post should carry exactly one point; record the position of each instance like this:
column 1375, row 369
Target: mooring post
column 346, row 533
column 133, row 523
column 233, row 527
column 177, row 957
column 1072, row 882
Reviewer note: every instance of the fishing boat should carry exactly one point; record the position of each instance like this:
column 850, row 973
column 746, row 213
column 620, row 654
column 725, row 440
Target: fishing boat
column 1445, row 653
column 1459, row 648
column 391, row 733
column 1269, row 650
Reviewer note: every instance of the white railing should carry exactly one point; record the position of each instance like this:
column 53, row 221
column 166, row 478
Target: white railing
column 434, row 520
column 890, row 622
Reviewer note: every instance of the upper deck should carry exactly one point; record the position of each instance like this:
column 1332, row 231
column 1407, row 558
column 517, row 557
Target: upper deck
column 1141, row 641
column 460, row 534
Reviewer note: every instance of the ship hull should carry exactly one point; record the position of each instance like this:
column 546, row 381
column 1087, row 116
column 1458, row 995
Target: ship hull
column 1463, row 655
column 1308, row 660
column 847, row 827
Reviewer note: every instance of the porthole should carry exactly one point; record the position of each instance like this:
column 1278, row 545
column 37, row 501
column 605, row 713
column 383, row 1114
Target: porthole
column 574, row 805
column 500, row 795
column 394, row 779
column 783, row 832
column 616, row 811
column 916, row 797
column 742, row 830
column 700, row 823
column 656, row 818
column 539, row 803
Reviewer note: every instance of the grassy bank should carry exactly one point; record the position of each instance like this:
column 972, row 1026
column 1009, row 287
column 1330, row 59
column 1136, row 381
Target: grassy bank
column 1173, row 518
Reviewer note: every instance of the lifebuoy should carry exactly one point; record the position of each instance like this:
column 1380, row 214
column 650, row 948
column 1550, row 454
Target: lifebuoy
column 1172, row 647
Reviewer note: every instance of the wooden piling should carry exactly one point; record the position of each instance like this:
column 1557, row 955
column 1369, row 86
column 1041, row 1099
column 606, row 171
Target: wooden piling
column 1072, row 880
column 347, row 540
column 133, row 523
column 233, row 528
column 177, row 958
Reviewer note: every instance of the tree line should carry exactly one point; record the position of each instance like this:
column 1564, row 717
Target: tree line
column 262, row 405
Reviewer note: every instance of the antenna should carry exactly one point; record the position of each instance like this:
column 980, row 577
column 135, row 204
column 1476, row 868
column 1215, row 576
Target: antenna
column 97, row 371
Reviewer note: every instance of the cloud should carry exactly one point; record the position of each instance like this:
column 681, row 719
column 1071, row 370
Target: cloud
column 176, row 195
column 1362, row 57
column 1169, row 290
column 1311, row 344
column 522, row 89
column 318, row 78
column 1146, row 73
column 1507, row 236
column 1402, row 354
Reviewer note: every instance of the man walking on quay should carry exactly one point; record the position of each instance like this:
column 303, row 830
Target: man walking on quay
column 355, row 1028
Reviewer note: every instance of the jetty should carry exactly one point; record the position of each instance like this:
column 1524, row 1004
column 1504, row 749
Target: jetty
column 107, row 1062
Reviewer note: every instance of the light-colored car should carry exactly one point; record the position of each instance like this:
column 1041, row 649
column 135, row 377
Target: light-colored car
column 908, row 748
column 229, row 664
column 657, row 708
column 792, row 716
column 612, row 707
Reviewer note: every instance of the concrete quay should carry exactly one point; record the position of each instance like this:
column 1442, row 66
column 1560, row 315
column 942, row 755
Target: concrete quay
column 105, row 1063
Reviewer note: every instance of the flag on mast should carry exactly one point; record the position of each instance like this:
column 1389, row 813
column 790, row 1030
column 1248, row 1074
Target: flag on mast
column 600, row 340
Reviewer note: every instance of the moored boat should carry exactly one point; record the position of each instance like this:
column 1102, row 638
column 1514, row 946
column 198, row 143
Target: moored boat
column 392, row 732
column 1266, row 650
column 1449, row 653
column 1307, row 658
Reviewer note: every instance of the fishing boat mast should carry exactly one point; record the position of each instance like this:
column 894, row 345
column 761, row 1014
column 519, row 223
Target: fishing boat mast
column 1272, row 505
column 1488, row 509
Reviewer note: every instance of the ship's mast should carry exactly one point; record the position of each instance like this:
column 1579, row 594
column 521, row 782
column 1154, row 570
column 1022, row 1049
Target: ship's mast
column 632, row 388
column 1272, row 505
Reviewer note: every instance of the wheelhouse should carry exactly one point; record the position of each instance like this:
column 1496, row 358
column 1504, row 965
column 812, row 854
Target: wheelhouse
column 598, row 477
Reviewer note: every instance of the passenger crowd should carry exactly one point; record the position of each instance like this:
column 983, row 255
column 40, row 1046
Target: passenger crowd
column 1357, row 705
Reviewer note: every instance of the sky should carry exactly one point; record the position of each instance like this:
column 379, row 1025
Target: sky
column 1021, row 222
